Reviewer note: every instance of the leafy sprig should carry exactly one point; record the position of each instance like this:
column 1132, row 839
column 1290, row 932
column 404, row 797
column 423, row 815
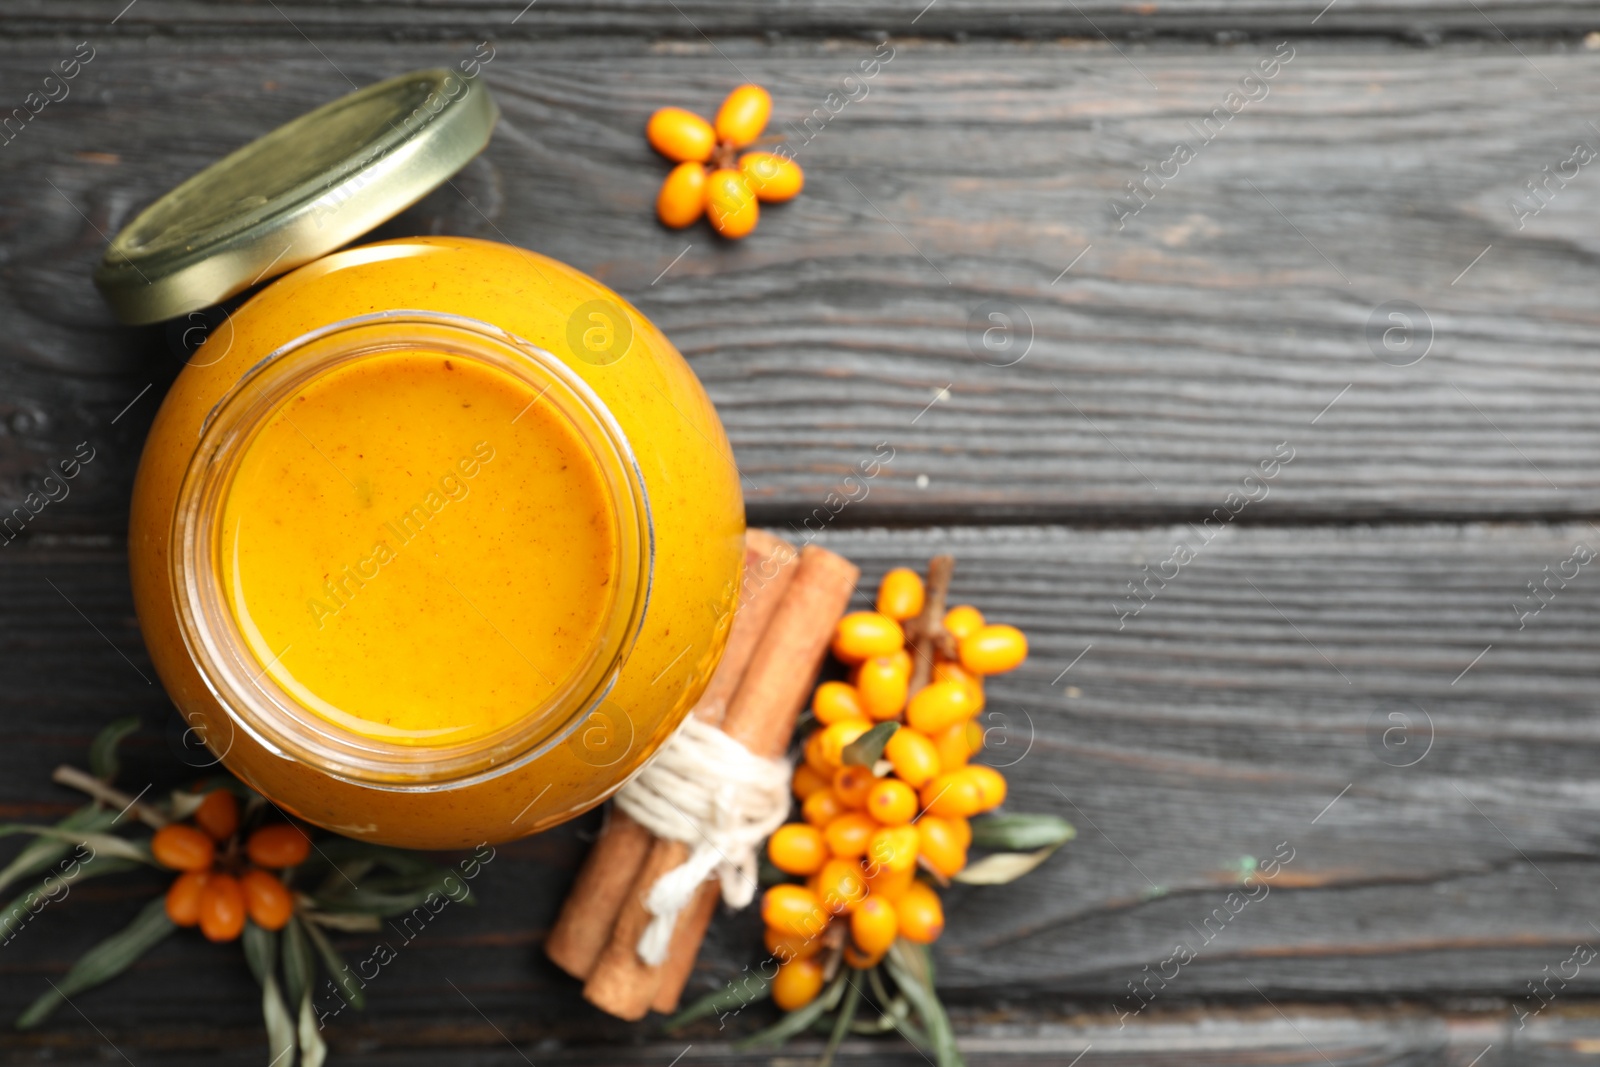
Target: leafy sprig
column 352, row 886
column 900, row 988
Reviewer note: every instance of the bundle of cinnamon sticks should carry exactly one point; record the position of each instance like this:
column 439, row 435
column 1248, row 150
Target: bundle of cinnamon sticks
column 789, row 603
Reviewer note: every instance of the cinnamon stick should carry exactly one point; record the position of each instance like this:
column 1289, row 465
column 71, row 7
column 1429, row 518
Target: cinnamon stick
column 778, row 681
column 684, row 952
column 584, row 926
column 761, row 717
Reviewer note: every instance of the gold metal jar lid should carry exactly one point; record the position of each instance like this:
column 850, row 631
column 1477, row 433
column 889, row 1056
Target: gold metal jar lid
column 296, row 194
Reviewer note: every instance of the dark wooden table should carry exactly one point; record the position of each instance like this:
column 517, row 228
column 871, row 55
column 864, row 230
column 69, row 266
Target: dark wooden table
column 1346, row 663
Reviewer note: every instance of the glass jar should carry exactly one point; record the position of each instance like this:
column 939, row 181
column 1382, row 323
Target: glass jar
column 434, row 541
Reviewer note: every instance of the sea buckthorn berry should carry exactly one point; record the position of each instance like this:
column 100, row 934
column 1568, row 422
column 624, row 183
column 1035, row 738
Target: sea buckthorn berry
column 793, row 910
column 945, row 671
column 884, row 687
column 913, row 755
column 892, row 802
column 681, row 136
column 950, row 794
column 731, row 205
column 901, row 594
column 940, row 705
column 939, row 842
column 785, row 947
column 183, row 898
column 962, row 829
column 807, row 781
column 849, row 835
column 993, row 649
column 813, row 754
column 841, row 885
column 855, row 958
column 821, row 808
column 222, row 908
column 183, row 848
column 890, row 885
column 796, row 848
column 838, row 735
column 894, row 847
column 743, row 115
column 279, row 845
column 773, row 177
column 902, row 661
column 218, row 814
column 920, row 913
column 873, row 925
column 267, row 899
column 682, row 198
column 836, row 702
column 852, row 783
column 990, row 784
column 796, row 984
column 954, row 743
column 975, row 737
column 962, row 620
column 864, row 634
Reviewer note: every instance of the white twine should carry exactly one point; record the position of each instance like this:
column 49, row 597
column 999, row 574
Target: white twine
column 708, row 791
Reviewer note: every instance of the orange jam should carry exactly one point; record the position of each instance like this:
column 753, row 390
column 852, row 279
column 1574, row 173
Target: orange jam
column 435, row 541
column 417, row 479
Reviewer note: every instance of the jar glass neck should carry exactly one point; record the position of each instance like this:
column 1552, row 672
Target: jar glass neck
column 258, row 698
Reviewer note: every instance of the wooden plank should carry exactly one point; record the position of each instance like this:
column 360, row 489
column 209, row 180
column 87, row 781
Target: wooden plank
column 1228, row 316
column 1217, row 1037
column 1172, row 359
column 1422, row 19
column 1264, row 701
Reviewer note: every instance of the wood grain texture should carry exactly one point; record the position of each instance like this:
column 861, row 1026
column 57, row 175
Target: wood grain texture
column 992, row 18
column 1216, row 725
column 1224, row 318
column 1404, row 1036
column 1268, row 697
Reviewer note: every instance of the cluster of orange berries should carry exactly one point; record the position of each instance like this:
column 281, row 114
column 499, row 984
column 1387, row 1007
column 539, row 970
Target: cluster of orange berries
column 217, row 897
column 729, row 192
column 865, row 836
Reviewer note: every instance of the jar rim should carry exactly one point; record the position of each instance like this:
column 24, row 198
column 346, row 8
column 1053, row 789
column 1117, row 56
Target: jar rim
column 253, row 701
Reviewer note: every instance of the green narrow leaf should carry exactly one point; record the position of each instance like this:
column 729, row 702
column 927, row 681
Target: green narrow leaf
column 280, row 1025
column 299, row 966
column 841, row 1026
column 352, row 922
column 340, row 850
column 13, row 913
column 1020, row 832
column 312, row 1051
column 796, row 1021
column 342, row 978
column 1002, row 867
column 918, row 960
column 895, row 1011
column 730, row 996
column 103, row 762
column 377, row 902
column 927, row 1005
column 260, row 951
column 104, row 961
column 109, row 844
column 182, row 804
column 866, row 750
column 44, row 851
